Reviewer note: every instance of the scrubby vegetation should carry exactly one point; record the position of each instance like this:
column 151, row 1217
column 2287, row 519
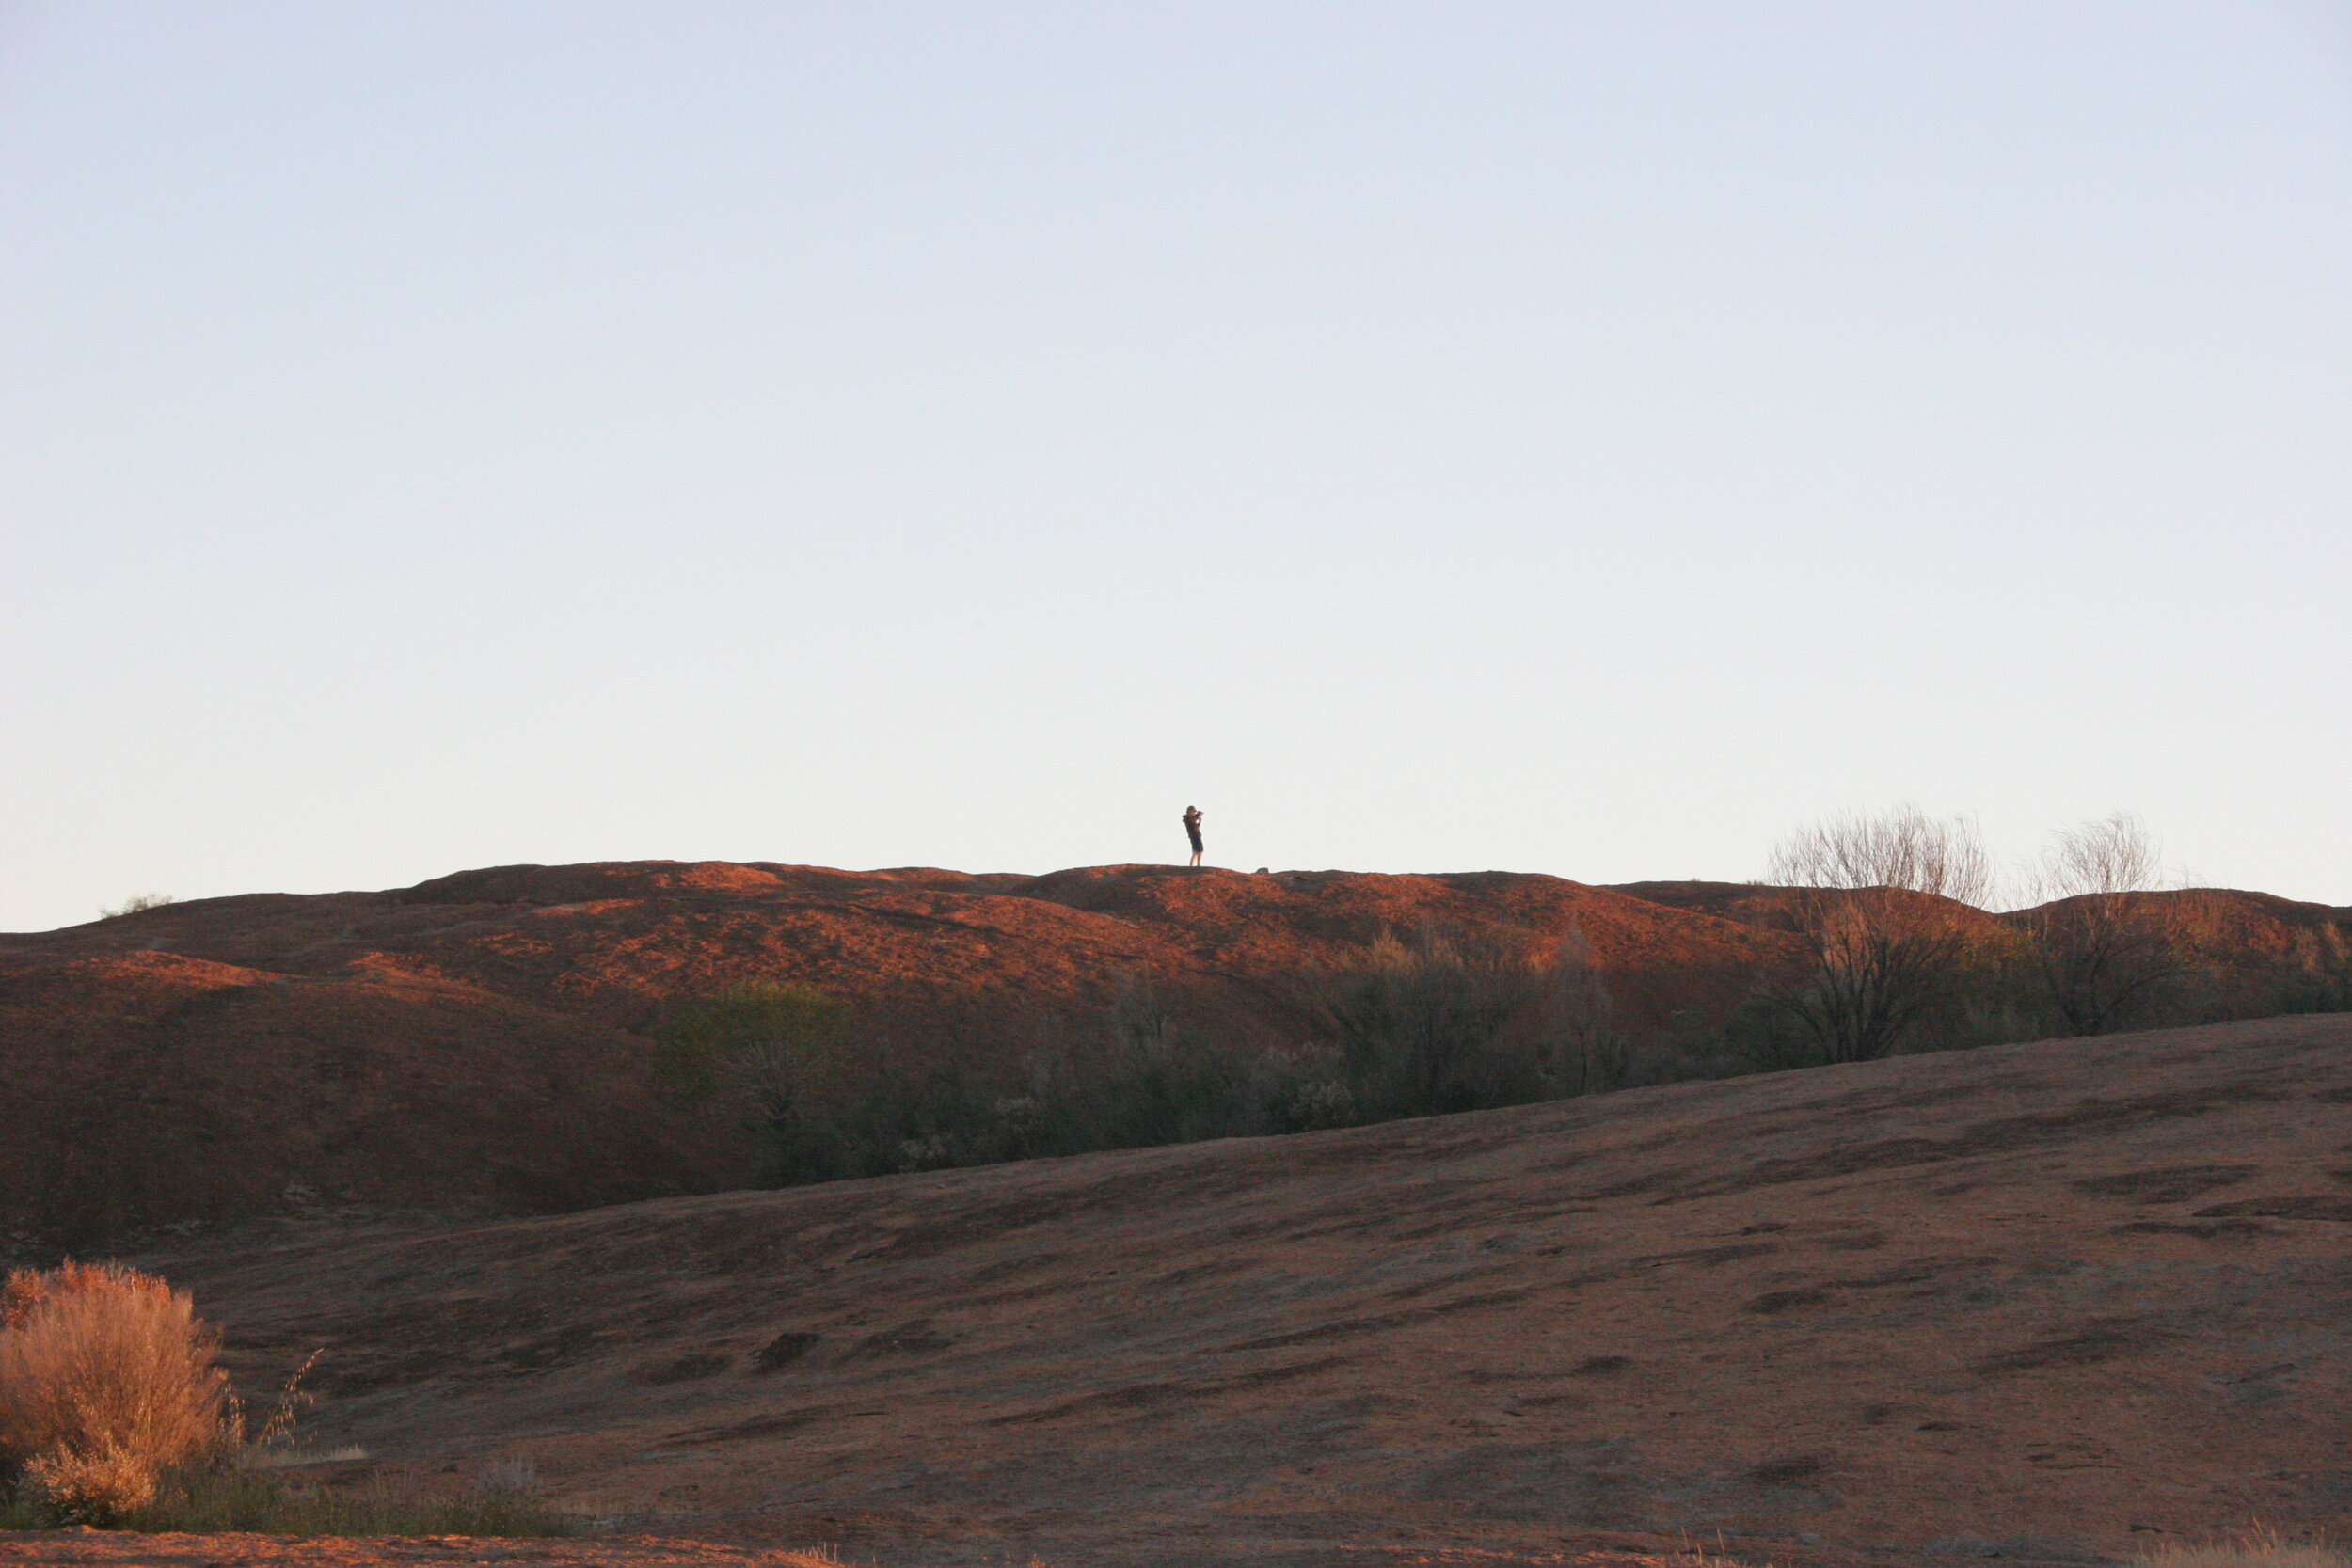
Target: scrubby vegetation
column 106, row 1382
column 113, row 1414
column 1420, row 1023
column 1899, row 956
column 1879, row 907
column 1888, row 950
column 2256, row 1548
column 138, row 903
column 229, row 1498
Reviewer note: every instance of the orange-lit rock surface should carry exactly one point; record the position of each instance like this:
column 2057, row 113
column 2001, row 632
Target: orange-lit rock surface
column 476, row 1042
column 2050, row 1302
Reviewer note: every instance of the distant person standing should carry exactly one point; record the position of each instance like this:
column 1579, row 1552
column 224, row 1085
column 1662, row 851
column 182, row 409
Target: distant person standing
column 1192, row 831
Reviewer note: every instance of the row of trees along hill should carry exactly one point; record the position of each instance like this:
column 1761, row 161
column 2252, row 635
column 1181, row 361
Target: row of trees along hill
column 1888, row 947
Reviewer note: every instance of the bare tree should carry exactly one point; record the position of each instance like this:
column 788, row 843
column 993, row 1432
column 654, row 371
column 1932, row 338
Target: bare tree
column 2114, row 854
column 1905, row 848
column 2104, row 948
column 2320, row 970
column 1588, row 1053
column 1424, row 1022
column 1877, row 902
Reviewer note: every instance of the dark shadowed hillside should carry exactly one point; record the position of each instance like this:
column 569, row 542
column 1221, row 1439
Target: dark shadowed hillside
column 476, row 1041
column 480, row 1042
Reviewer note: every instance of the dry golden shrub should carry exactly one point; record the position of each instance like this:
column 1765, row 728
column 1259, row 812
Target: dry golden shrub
column 106, row 1380
column 94, row 1487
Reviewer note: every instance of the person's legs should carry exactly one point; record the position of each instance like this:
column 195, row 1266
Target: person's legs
column 1195, row 857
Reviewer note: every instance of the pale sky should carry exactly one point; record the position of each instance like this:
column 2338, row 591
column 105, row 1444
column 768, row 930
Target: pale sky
column 1579, row 438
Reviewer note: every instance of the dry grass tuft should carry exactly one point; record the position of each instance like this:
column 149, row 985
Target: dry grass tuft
column 1694, row 1554
column 99, row 1486
column 207, row 1499
column 2259, row 1547
column 113, row 1414
column 106, row 1380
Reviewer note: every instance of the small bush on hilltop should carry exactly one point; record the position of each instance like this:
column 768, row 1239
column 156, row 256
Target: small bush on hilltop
column 106, row 1380
column 138, row 903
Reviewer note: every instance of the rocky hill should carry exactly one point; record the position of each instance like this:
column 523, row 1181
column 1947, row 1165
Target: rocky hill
column 477, row 1042
column 2050, row 1303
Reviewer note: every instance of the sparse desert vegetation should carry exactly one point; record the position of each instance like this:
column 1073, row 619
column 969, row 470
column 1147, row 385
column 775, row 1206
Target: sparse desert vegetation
column 2257, row 1547
column 768, row 1025
column 1885, row 946
column 107, row 1382
column 1424, row 1022
column 114, row 1413
column 138, row 903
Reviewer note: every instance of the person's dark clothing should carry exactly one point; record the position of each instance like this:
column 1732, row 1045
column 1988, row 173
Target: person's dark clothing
column 1192, row 829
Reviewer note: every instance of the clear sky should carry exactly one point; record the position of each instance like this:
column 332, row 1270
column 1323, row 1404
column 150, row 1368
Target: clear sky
column 1581, row 439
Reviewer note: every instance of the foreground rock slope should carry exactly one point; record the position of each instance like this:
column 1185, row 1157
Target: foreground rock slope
column 2052, row 1301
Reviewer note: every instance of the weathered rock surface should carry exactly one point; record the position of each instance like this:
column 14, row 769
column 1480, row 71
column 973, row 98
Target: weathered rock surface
column 2049, row 1301
column 476, row 1042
